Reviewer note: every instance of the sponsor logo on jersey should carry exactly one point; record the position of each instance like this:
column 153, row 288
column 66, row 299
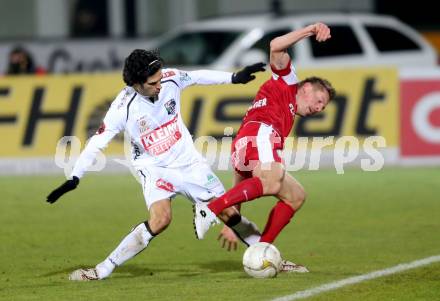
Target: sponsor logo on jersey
column 124, row 98
column 168, row 74
column 259, row 103
column 162, row 184
column 184, row 77
column 210, row 179
column 292, row 109
column 143, row 126
column 161, row 139
column 170, row 106
column 101, row 129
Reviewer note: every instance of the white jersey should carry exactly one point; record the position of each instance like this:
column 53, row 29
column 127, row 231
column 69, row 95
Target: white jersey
column 158, row 135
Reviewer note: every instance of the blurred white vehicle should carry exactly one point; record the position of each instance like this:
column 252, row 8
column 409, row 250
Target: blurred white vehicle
column 357, row 40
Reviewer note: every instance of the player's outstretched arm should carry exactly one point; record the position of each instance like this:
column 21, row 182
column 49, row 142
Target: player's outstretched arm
column 278, row 46
column 65, row 187
column 97, row 143
column 216, row 77
column 246, row 74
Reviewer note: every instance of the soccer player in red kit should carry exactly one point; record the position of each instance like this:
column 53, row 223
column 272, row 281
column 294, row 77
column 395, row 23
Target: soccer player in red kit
column 259, row 170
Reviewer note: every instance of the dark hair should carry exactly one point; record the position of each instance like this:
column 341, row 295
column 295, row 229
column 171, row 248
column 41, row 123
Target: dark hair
column 139, row 65
column 25, row 66
column 321, row 83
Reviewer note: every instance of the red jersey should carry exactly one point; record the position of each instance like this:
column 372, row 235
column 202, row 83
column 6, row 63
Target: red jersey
column 275, row 102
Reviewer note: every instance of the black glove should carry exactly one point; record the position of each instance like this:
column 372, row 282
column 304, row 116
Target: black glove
column 65, row 187
column 246, row 74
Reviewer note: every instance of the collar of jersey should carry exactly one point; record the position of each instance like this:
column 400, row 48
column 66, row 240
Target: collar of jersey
column 147, row 99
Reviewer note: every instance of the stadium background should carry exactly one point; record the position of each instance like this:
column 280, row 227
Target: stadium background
column 37, row 110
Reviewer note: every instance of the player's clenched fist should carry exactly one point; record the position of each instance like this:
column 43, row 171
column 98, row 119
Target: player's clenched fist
column 65, row 187
column 321, row 31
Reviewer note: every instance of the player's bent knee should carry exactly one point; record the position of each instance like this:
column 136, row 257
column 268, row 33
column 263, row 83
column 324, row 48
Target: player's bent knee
column 302, row 196
column 299, row 197
column 160, row 223
column 271, row 187
column 165, row 220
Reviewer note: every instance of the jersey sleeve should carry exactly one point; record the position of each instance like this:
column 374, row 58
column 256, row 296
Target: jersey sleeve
column 203, row 77
column 288, row 74
column 113, row 123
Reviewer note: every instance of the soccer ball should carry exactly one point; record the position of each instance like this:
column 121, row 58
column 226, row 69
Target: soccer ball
column 262, row 260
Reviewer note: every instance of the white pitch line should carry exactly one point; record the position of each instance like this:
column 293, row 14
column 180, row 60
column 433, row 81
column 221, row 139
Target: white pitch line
column 353, row 280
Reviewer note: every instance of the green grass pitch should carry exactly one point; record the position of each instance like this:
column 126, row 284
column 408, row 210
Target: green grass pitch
column 351, row 224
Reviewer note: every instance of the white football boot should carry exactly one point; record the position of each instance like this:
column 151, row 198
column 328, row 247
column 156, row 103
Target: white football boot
column 84, row 275
column 290, row 267
column 204, row 218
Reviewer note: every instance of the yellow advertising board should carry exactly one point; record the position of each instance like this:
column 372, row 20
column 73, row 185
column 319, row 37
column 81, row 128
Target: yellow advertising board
column 35, row 112
column 366, row 105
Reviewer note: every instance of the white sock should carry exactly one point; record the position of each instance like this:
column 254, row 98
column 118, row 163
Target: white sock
column 130, row 246
column 247, row 231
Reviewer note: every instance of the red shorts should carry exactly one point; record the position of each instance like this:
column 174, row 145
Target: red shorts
column 256, row 142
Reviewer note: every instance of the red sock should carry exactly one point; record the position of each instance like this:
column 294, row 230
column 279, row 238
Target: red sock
column 244, row 191
column 279, row 217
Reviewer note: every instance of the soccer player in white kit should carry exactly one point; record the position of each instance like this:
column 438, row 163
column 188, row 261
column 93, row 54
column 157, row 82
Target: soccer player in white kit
column 163, row 153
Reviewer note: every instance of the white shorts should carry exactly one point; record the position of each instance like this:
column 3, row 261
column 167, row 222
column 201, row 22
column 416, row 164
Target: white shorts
column 196, row 181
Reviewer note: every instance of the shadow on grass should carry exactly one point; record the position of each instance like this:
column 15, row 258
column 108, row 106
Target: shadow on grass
column 132, row 270
column 222, row 266
column 180, row 270
column 64, row 271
